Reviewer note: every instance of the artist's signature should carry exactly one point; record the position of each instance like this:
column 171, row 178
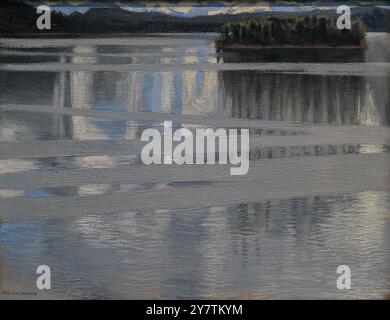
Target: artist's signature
column 18, row 293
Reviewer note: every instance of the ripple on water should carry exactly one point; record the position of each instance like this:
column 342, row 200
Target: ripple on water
column 280, row 248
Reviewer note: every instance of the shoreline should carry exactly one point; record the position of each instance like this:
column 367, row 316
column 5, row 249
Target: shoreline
column 60, row 35
column 236, row 46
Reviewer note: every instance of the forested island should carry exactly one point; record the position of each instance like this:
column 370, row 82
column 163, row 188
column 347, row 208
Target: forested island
column 315, row 30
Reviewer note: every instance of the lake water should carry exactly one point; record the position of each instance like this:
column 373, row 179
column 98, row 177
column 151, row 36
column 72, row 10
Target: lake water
column 75, row 196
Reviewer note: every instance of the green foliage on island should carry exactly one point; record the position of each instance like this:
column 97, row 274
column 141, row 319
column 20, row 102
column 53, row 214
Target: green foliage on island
column 308, row 30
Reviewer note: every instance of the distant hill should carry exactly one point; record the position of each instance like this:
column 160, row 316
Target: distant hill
column 19, row 17
column 16, row 17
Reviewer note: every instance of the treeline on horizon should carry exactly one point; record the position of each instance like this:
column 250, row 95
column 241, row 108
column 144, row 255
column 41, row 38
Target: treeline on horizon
column 308, row 30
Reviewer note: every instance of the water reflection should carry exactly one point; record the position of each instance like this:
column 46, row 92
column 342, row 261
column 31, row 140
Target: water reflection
column 30, row 126
column 280, row 152
column 305, row 98
column 273, row 248
column 280, row 248
column 97, row 189
column 327, row 55
column 61, row 163
column 238, row 94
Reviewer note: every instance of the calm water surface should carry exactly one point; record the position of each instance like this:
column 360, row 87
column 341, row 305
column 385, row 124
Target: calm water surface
column 288, row 247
